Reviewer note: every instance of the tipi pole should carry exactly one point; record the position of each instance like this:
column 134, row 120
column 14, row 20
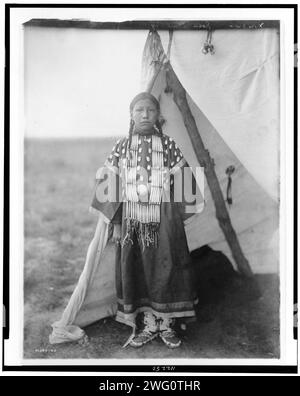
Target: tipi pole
column 203, row 156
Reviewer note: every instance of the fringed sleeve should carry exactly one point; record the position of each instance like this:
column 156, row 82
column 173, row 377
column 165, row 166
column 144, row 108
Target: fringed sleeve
column 107, row 195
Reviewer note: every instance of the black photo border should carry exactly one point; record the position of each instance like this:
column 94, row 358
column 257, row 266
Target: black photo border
column 276, row 369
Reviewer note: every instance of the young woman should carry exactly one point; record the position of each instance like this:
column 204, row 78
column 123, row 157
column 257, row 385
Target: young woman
column 153, row 265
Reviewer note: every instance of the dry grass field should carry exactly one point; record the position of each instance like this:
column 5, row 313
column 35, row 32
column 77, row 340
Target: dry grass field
column 59, row 181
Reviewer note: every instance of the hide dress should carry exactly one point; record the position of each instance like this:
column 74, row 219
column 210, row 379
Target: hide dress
column 153, row 264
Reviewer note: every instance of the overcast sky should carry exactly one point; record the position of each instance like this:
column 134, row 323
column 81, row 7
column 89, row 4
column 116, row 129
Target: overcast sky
column 79, row 82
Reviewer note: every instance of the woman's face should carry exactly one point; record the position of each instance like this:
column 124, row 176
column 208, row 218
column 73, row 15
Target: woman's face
column 144, row 114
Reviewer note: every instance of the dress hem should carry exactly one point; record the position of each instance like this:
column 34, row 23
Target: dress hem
column 129, row 318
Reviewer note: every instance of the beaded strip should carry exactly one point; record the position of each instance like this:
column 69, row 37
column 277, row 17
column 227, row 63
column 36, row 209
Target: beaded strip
column 146, row 212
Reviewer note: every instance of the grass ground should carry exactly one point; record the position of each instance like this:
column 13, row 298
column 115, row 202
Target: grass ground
column 59, row 180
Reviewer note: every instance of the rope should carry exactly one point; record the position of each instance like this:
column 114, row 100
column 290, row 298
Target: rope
column 165, row 59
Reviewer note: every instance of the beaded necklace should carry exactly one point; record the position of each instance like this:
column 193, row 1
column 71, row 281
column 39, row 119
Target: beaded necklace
column 143, row 215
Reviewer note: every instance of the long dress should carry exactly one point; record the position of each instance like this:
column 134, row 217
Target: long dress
column 153, row 268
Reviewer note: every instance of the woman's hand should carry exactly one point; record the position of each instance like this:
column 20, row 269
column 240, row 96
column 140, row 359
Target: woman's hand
column 116, row 233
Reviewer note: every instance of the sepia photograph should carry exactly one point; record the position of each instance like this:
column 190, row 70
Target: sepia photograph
column 152, row 188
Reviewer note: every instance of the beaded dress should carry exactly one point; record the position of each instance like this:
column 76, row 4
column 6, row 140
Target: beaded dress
column 153, row 264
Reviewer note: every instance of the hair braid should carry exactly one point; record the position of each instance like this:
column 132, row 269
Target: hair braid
column 131, row 126
column 158, row 126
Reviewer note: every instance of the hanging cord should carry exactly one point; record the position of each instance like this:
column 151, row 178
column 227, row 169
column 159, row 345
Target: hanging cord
column 161, row 62
column 207, row 46
column 168, row 88
column 229, row 171
column 170, row 44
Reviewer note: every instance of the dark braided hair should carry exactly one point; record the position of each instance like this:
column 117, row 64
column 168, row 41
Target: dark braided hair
column 131, row 127
column 158, row 126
